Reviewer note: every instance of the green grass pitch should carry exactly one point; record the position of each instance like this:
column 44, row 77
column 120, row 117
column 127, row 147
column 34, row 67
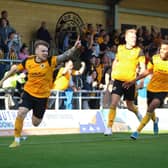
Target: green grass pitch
column 86, row 151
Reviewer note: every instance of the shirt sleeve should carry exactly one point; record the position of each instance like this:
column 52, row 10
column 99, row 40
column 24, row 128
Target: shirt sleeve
column 141, row 56
column 150, row 66
column 20, row 67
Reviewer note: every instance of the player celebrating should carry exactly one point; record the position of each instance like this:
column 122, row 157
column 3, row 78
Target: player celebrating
column 124, row 68
column 157, row 88
column 40, row 69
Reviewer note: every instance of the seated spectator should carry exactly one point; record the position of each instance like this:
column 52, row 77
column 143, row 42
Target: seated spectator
column 23, row 52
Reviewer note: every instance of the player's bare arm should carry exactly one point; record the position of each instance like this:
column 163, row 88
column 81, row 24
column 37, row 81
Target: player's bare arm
column 69, row 53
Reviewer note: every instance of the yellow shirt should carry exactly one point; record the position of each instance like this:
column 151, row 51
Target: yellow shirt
column 128, row 60
column 99, row 70
column 62, row 80
column 159, row 80
column 40, row 76
column 100, row 40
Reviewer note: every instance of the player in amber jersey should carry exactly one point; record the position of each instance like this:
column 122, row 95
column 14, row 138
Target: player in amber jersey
column 124, row 69
column 157, row 88
column 40, row 69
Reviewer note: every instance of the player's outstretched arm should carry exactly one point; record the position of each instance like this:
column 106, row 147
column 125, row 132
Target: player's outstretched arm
column 81, row 70
column 11, row 72
column 141, row 76
column 69, row 53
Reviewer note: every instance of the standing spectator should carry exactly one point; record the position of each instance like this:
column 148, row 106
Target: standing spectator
column 66, row 41
column 105, row 44
column 63, row 81
column 5, row 29
column 111, row 52
column 101, row 34
column 4, row 15
column 43, row 33
column 96, row 46
column 91, row 84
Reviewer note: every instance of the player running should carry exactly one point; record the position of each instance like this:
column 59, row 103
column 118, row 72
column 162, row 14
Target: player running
column 40, row 69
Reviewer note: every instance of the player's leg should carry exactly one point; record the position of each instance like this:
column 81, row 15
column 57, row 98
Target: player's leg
column 39, row 107
column 19, row 126
column 129, row 96
column 116, row 95
column 132, row 107
column 25, row 106
column 154, row 103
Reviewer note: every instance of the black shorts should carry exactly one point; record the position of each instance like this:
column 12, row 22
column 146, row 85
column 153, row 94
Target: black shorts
column 156, row 95
column 129, row 94
column 38, row 105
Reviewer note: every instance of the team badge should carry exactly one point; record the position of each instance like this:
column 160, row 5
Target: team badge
column 42, row 65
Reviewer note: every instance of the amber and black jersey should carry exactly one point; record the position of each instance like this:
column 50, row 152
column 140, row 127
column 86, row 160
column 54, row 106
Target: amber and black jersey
column 40, row 76
column 159, row 80
column 127, row 63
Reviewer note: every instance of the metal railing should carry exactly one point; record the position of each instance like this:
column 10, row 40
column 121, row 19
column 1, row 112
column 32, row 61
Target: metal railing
column 10, row 61
column 79, row 96
column 77, row 99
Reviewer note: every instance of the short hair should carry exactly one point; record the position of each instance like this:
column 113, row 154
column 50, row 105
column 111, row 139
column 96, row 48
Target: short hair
column 41, row 42
column 3, row 12
column 164, row 42
column 130, row 30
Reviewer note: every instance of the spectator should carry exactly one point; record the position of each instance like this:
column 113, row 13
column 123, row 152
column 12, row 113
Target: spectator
column 63, row 81
column 96, row 46
column 10, row 85
column 105, row 44
column 4, row 15
column 101, row 34
column 66, row 41
column 43, row 33
column 111, row 52
column 91, row 84
column 5, row 29
column 23, row 52
column 14, row 45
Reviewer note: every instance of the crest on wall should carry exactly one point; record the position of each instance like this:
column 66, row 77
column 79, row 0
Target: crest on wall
column 71, row 23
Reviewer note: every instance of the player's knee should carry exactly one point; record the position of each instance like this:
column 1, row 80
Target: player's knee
column 36, row 121
column 22, row 112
